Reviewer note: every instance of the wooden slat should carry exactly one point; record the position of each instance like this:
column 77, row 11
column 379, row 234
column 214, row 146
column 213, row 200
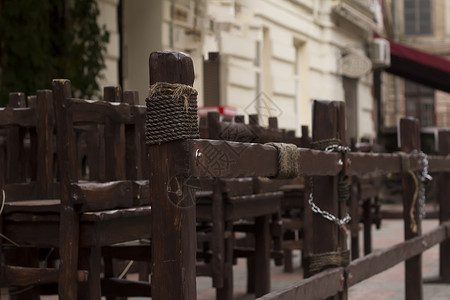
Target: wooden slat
column 23, row 116
column 231, row 159
column 320, row 286
column 118, row 111
column 374, row 263
column 438, row 163
column 23, row 276
column 100, row 196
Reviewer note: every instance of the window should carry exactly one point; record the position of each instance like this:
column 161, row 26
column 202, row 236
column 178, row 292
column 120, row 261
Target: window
column 417, row 17
column 419, row 103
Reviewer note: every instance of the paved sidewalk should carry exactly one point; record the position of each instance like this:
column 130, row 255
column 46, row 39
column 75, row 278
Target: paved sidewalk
column 388, row 285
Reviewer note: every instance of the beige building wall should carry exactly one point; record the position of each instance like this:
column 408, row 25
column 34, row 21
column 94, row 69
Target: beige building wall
column 108, row 17
column 276, row 56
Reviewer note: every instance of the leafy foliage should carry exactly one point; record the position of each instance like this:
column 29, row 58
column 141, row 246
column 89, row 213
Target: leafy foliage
column 42, row 40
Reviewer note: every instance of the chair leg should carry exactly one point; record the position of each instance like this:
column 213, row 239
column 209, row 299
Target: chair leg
column 226, row 292
column 288, row 266
column 90, row 259
column 69, row 243
column 250, row 275
column 262, row 256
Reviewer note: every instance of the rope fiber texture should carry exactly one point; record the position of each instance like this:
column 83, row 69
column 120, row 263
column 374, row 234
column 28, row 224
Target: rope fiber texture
column 288, row 160
column 171, row 113
column 320, row 262
column 406, row 169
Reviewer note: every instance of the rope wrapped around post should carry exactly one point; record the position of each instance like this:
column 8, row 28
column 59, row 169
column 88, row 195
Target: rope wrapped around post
column 333, row 145
column 339, row 258
column 288, row 160
column 171, row 113
column 406, row 169
column 322, row 261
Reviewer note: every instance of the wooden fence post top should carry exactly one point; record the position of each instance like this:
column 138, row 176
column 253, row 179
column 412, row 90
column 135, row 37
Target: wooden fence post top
column 409, row 134
column 171, row 67
column 444, row 142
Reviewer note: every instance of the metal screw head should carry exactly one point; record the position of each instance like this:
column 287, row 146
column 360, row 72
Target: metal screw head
column 198, row 156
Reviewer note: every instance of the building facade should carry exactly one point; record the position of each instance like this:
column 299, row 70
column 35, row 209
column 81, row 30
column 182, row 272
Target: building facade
column 272, row 57
column 423, row 25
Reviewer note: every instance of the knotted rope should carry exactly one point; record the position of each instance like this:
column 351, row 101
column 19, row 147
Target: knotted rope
column 171, row 113
column 406, row 170
column 288, row 160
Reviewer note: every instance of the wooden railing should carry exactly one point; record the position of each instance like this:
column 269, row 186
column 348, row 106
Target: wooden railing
column 174, row 226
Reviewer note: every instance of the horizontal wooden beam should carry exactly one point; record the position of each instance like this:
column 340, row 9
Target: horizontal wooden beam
column 376, row 262
column 217, row 158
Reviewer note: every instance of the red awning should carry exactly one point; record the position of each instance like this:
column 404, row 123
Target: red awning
column 419, row 66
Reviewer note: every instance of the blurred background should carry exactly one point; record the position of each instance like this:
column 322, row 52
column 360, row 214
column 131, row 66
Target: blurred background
column 384, row 58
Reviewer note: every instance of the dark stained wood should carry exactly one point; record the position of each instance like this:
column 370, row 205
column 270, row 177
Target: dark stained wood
column 226, row 159
column 69, row 230
column 374, row 263
column 409, row 131
column 173, row 221
column 24, row 117
column 444, row 205
column 25, row 276
column 320, row 286
column 113, row 287
column 262, row 256
column 326, row 125
column 90, row 259
column 44, row 130
column 217, row 244
column 354, row 223
column 114, row 139
column 171, row 67
column 101, row 196
column 15, row 166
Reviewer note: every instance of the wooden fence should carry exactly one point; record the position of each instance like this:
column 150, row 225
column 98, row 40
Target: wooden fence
column 173, row 226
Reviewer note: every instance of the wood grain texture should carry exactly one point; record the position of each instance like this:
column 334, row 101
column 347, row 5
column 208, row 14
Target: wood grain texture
column 173, row 221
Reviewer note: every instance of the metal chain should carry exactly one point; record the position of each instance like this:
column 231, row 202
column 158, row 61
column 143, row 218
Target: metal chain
column 315, row 208
column 424, row 177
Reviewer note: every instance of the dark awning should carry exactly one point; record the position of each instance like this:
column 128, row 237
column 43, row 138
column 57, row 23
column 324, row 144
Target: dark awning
column 419, row 66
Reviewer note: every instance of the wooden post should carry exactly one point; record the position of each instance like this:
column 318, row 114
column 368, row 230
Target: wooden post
column 328, row 123
column 173, row 226
column 44, row 130
column 15, row 167
column 114, row 137
column 410, row 140
column 69, row 225
column 444, row 211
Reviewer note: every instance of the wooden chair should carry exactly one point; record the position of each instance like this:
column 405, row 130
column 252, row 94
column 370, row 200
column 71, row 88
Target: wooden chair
column 234, row 200
column 87, row 215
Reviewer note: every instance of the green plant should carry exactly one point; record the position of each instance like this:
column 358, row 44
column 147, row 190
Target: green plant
column 50, row 39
